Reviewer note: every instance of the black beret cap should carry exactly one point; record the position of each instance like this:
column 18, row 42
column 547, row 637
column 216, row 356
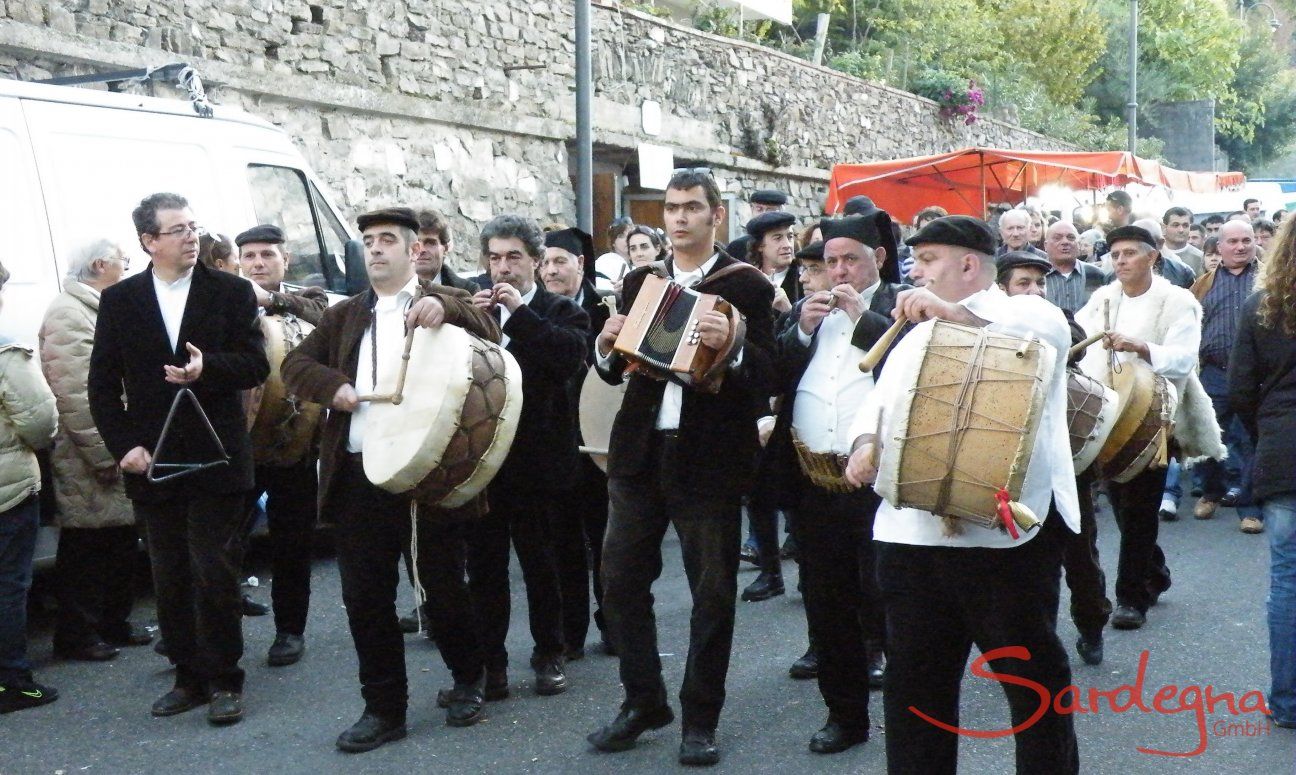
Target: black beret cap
column 858, row 205
column 961, row 231
column 811, row 252
column 768, row 196
column 1015, row 258
column 770, row 221
column 396, row 216
column 739, row 248
column 1135, row 233
column 267, row 233
column 574, row 241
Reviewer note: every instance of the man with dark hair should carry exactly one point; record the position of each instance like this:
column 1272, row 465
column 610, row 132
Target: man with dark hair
column 1176, row 224
column 663, row 469
column 1120, row 209
column 546, row 333
column 1265, row 230
column 1212, row 223
column 1196, row 238
column 436, row 243
column 770, row 249
column 341, row 360
column 1238, row 215
column 1252, row 208
column 179, row 325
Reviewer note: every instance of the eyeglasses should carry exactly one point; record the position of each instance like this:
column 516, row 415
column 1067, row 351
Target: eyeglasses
column 125, row 261
column 183, row 231
column 692, row 170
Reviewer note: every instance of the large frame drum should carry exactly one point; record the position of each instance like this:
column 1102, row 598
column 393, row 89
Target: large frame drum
column 283, row 427
column 1092, row 410
column 1141, row 432
column 599, row 404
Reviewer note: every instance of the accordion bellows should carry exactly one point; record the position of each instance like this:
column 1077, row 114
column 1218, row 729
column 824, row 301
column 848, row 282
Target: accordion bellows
column 661, row 334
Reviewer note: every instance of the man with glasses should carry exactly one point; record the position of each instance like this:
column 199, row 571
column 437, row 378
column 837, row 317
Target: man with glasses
column 182, row 325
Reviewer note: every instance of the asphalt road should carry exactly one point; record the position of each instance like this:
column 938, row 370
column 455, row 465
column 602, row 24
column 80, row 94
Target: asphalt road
column 1208, row 629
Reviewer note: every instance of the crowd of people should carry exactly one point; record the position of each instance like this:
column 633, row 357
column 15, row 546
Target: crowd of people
column 136, row 371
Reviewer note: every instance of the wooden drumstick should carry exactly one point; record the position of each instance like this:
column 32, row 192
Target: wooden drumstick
column 1080, row 347
column 397, row 395
column 879, row 347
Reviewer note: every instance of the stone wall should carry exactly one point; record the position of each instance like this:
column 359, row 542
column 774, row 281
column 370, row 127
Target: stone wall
column 469, row 106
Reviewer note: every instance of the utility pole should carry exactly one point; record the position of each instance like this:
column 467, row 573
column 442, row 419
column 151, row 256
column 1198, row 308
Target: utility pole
column 1132, row 105
column 584, row 132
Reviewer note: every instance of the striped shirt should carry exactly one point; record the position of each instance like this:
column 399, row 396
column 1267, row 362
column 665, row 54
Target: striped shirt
column 1071, row 291
column 1221, row 309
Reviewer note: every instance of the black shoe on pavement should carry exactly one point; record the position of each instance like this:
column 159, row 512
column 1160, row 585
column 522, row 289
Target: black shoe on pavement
column 96, row 651
column 1231, row 497
column 497, row 685
column 698, row 748
column 806, row 667
column 748, row 553
column 129, row 635
column 1090, row 648
column 370, row 732
column 286, row 650
column 411, row 623
column 574, row 653
column 549, row 676
column 606, row 643
column 1128, row 618
column 25, row 693
column 790, row 550
column 226, row 708
column 876, row 672
column 465, row 704
column 767, row 585
column 180, row 700
column 253, row 608
column 835, row 738
column 626, row 728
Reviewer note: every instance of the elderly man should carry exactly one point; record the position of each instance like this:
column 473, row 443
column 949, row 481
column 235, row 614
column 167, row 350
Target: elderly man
column 1069, row 281
column 946, row 590
column 1166, row 264
column 98, row 539
column 1014, row 232
column 1177, row 223
column 1148, row 320
column 1222, row 293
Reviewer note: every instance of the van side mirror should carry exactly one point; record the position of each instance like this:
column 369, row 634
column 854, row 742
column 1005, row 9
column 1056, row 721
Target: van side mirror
column 357, row 279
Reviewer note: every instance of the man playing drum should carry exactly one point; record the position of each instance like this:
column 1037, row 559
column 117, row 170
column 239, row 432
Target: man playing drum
column 945, row 592
column 291, row 487
column 341, row 360
column 1149, row 321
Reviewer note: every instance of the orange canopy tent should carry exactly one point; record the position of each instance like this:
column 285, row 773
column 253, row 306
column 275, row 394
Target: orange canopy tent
column 964, row 181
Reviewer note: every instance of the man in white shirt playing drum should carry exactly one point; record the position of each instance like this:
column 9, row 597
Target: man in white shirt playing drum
column 945, row 592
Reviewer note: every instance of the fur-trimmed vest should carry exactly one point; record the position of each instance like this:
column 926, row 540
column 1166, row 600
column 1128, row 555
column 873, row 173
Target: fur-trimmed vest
column 1195, row 427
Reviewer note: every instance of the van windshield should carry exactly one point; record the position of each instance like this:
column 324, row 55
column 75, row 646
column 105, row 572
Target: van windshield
column 315, row 239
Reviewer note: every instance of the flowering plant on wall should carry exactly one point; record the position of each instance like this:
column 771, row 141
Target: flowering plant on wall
column 958, row 98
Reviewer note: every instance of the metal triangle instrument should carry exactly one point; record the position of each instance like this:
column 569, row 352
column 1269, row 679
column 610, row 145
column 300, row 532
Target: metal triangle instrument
column 180, row 469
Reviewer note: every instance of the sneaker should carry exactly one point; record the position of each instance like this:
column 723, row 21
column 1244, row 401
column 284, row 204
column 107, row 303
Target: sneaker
column 1169, row 511
column 1251, row 525
column 25, row 693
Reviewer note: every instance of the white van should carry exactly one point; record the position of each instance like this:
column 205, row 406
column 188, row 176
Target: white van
column 75, row 162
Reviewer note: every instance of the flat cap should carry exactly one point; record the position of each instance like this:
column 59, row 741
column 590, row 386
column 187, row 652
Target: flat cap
column 1135, row 233
column 739, row 248
column 858, row 205
column 766, row 222
column 1015, row 258
column 811, row 252
column 396, row 216
column 961, row 231
column 874, row 229
column 266, row 232
column 768, row 196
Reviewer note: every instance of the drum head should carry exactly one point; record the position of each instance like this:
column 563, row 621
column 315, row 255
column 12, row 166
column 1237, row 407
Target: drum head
column 1092, row 410
column 599, row 404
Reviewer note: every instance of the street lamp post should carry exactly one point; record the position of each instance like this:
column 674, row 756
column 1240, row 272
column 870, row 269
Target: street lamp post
column 1131, row 106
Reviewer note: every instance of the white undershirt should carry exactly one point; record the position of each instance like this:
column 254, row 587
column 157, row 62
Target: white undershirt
column 389, row 317
column 505, row 314
column 668, row 416
column 171, row 298
column 833, row 388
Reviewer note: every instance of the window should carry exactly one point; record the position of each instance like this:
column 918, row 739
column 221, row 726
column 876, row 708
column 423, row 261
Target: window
column 282, row 196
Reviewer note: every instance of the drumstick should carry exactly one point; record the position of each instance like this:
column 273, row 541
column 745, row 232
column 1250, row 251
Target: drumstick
column 396, row 396
column 1080, row 347
column 879, row 347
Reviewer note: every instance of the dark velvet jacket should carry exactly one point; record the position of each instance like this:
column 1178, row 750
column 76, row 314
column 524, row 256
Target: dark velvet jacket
column 1262, row 389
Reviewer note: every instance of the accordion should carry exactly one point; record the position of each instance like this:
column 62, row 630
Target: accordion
column 660, row 336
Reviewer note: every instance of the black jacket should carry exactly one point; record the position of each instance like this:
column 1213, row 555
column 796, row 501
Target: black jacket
column 592, row 303
column 548, row 339
column 130, row 349
column 1262, row 389
column 448, row 278
column 717, row 432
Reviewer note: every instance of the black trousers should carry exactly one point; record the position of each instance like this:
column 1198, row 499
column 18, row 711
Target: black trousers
column 1141, row 570
column 195, row 544
column 96, row 589
column 709, row 529
column 442, row 570
column 291, row 503
column 843, row 605
column 762, row 515
column 373, row 526
column 1090, row 607
column 939, row 602
column 522, row 518
column 579, row 522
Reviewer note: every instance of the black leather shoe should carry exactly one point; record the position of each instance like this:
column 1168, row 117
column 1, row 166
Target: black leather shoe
column 1128, row 618
column 1090, row 648
column 767, row 585
column 179, row 700
column 806, row 667
column 790, row 550
column 409, row 624
column 549, row 676
column 835, row 738
column 285, row 650
column 497, row 685
column 253, row 608
column 370, row 732
column 226, row 708
column 1231, row 497
column 97, row 651
column 129, row 635
column 698, row 749
column 626, row 728
column 749, row 554
column 876, row 674
column 465, row 704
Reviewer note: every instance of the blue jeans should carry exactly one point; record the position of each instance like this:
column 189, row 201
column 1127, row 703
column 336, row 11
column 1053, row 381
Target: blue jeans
column 1280, row 524
column 17, row 547
column 1215, row 478
column 1173, row 489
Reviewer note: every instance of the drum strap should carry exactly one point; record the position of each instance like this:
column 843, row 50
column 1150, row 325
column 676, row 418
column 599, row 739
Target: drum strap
column 420, row 594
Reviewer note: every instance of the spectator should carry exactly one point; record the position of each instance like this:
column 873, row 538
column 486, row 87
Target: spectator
column 1093, row 245
column 1238, row 215
column 1265, row 230
column 217, row 251
column 97, row 536
column 810, row 234
column 30, row 421
column 1278, row 216
column 1211, row 224
column 928, row 214
column 1252, row 209
column 1014, row 233
column 1210, row 254
column 1196, row 235
column 610, row 267
column 1068, row 282
column 1120, row 209
column 1176, row 223
column 1035, row 233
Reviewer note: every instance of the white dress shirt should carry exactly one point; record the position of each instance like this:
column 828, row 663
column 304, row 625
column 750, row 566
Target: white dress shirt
column 172, row 297
column 1050, row 474
column 505, row 314
column 389, row 318
column 776, row 279
column 833, row 388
